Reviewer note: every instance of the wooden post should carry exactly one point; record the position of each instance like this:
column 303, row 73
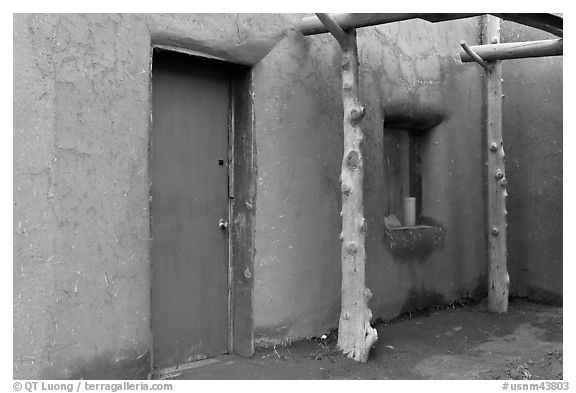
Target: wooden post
column 498, row 279
column 355, row 335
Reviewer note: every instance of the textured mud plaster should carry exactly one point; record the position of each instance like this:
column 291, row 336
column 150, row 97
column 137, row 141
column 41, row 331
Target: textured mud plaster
column 416, row 68
column 532, row 128
column 81, row 230
column 238, row 38
column 298, row 111
column 299, row 144
column 81, row 185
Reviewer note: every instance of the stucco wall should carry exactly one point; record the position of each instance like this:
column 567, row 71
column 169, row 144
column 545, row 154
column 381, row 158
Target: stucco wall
column 532, row 128
column 81, row 112
column 81, row 186
column 412, row 66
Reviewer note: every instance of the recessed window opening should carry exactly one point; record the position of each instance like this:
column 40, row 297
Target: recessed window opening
column 403, row 174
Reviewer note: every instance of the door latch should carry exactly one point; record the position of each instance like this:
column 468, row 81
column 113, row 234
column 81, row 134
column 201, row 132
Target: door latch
column 223, row 224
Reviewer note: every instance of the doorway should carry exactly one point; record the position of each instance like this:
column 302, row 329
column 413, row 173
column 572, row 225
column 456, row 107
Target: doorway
column 191, row 203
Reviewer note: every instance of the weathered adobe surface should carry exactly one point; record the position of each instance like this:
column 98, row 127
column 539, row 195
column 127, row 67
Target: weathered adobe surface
column 81, row 196
column 532, row 126
column 411, row 68
column 81, row 186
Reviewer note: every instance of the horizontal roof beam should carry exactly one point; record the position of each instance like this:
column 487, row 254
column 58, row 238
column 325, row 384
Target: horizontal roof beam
column 312, row 25
column 514, row 50
column 551, row 23
column 335, row 30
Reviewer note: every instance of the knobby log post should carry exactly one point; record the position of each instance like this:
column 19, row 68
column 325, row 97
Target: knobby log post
column 355, row 335
column 498, row 279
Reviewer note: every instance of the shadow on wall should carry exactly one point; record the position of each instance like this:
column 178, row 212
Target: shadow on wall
column 418, row 299
column 413, row 115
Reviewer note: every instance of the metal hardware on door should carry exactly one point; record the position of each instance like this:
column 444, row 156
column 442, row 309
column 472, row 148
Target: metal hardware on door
column 220, row 162
column 223, row 224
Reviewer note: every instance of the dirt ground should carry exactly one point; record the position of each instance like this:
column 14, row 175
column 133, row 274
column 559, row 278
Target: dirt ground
column 459, row 342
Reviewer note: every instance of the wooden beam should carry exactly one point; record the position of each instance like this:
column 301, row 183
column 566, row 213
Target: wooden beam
column 498, row 279
column 551, row 23
column 474, row 56
column 334, row 29
column 515, row 50
column 311, row 25
column 434, row 18
column 242, row 224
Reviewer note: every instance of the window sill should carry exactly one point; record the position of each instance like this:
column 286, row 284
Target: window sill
column 413, row 228
column 419, row 240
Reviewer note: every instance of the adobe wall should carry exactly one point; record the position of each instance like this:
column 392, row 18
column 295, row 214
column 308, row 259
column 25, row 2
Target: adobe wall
column 532, row 129
column 406, row 69
column 81, row 184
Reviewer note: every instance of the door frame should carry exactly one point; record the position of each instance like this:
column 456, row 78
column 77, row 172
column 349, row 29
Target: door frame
column 242, row 177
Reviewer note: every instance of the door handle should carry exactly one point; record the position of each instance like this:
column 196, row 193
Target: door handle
column 223, row 224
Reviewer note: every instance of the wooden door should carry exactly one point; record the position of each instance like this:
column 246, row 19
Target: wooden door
column 189, row 156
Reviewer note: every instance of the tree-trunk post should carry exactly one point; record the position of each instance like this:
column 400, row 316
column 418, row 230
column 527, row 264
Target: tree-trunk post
column 498, row 279
column 355, row 335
